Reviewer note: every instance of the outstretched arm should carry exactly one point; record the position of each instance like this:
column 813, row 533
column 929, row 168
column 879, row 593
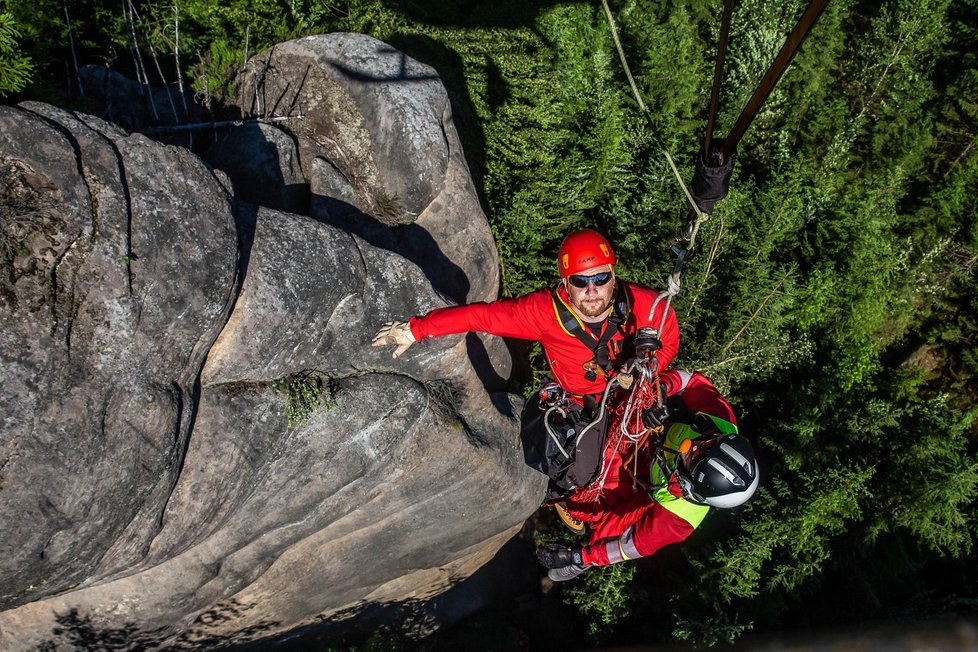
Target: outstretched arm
column 522, row 318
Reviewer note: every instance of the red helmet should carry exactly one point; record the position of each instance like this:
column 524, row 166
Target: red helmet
column 583, row 250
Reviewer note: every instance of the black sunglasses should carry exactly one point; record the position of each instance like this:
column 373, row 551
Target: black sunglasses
column 579, row 281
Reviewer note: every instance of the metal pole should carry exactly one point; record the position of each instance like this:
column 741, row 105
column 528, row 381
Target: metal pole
column 787, row 53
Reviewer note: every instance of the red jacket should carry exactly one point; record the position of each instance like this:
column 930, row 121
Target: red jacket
column 627, row 523
column 533, row 317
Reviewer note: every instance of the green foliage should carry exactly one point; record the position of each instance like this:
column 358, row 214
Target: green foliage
column 710, row 630
column 15, row 66
column 213, row 73
column 935, row 508
column 784, row 552
column 833, row 296
column 604, row 596
column 305, row 393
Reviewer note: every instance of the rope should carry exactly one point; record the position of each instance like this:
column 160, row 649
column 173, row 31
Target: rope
column 550, row 431
column 604, row 400
column 700, row 215
column 673, row 283
column 621, row 54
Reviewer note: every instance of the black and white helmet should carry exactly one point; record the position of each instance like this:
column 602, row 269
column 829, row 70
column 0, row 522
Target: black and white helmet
column 720, row 471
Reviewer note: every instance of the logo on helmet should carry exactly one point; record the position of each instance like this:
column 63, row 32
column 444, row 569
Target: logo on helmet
column 584, row 250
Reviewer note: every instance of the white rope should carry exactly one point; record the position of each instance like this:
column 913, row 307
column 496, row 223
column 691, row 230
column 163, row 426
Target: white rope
column 621, row 55
column 700, row 215
column 627, row 415
column 604, row 400
column 553, row 435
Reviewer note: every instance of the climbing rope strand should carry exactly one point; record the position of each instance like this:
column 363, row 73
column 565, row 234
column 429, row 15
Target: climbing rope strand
column 673, row 285
column 601, row 409
column 550, row 431
column 633, row 410
column 621, row 55
column 627, row 415
column 700, row 215
column 674, row 281
column 635, row 473
column 665, row 313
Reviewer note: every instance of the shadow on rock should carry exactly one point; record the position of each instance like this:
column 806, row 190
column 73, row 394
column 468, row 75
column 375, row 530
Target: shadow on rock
column 410, row 242
column 498, row 607
column 451, row 70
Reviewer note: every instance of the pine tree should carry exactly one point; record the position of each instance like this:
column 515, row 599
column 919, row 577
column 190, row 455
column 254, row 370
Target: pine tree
column 15, row 66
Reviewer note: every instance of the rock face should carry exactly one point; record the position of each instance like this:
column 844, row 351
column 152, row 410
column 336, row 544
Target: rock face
column 199, row 446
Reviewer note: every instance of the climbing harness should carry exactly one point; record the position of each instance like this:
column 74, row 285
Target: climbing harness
column 601, row 348
column 629, row 398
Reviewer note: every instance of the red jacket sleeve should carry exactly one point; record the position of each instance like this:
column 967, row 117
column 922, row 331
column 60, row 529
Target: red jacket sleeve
column 698, row 393
column 520, row 318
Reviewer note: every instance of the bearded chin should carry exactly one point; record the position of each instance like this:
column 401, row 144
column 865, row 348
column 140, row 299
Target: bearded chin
column 592, row 310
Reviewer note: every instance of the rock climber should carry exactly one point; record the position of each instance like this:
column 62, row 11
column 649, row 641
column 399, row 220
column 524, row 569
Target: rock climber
column 587, row 326
column 584, row 324
column 664, row 492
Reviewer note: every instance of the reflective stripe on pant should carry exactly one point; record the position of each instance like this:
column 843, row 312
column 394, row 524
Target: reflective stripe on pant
column 622, row 548
column 636, row 528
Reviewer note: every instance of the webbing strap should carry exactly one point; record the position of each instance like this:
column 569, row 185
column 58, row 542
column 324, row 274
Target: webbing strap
column 573, row 325
column 717, row 76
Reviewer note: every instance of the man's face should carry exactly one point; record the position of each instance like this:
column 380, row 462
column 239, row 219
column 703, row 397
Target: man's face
column 591, row 301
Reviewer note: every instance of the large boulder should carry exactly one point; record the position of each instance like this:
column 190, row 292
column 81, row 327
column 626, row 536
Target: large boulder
column 199, row 444
column 374, row 137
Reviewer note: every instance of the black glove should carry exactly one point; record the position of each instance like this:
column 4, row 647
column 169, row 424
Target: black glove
column 555, row 555
column 655, row 416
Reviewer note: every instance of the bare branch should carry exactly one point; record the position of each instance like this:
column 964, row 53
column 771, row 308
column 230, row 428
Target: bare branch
column 176, row 54
column 74, row 56
column 744, row 328
column 198, row 126
column 130, row 13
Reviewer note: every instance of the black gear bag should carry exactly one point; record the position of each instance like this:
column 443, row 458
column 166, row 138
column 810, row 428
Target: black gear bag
column 541, row 452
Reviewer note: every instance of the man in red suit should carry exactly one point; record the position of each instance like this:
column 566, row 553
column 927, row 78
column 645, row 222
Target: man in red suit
column 585, row 324
column 661, row 492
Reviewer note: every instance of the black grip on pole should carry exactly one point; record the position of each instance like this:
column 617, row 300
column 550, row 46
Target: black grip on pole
column 711, row 182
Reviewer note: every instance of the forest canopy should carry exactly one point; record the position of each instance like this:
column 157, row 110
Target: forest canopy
column 832, row 296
